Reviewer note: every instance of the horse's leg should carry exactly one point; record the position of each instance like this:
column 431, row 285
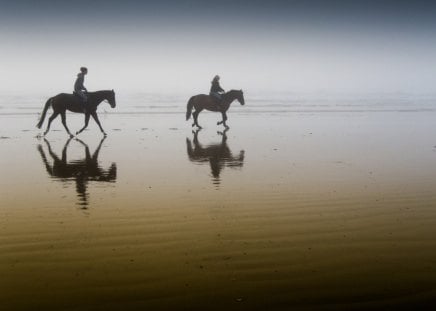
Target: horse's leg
column 221, row 122
column 64, row 122
column 223, row 134
column 65, row 149
column 95, row 117
column 196, row 142
column 87, row 153
column 224, row 119
column 86, row 123
column 52, row 117
column 97, row 151
column 195, row 115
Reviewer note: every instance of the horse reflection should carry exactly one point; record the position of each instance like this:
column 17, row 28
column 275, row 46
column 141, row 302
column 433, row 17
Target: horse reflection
column 81, row 171
column 217, row 155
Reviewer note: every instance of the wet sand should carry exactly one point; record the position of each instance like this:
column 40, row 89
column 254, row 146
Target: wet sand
column 294, row 211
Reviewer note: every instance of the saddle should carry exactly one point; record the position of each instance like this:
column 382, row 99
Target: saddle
column 79, row 97
column 216, row 99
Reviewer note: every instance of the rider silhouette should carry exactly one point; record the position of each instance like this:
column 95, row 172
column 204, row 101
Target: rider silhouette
column 79, row 89
column 215, row 90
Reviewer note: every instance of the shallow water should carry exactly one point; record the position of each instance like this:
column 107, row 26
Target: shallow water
column 294, row 209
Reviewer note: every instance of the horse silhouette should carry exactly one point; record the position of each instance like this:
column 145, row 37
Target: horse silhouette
column 81, row 171
column 63, row 102
column 202, row 101
column 217, row 155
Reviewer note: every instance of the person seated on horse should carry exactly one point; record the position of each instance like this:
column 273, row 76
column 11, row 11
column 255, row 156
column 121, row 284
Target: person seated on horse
column 79, row 89
column 215, row 90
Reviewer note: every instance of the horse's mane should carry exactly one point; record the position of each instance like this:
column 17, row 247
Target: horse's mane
column 231, row 92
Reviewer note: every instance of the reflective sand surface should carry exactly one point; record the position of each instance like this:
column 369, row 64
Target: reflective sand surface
column 283, row 211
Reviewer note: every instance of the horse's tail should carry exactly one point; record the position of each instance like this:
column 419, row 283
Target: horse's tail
column 189, row 108
column 44, row 112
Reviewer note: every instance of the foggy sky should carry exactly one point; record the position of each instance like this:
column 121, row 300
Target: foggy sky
column 178, row 46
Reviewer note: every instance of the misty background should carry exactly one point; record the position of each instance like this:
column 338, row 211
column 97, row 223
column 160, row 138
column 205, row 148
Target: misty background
column 258, row 46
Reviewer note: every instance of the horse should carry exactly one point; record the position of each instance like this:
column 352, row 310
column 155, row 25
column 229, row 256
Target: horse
column 217, row 155
column 63, row 102
column 202, row 101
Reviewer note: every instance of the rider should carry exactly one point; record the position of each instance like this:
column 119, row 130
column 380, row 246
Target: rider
column 215, row 90
column 79, row 89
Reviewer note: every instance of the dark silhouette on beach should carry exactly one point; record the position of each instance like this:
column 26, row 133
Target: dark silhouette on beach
column 81, row 171
column 217, row 155
column 63, row 102
column 202, row 101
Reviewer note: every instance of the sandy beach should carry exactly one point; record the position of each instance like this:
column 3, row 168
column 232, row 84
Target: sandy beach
column 287, row 210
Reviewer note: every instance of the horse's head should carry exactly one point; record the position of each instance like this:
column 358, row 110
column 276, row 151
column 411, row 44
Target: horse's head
column 240, row 97
column 111, row 98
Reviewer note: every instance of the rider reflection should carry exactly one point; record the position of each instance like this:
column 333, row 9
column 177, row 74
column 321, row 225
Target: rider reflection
column 81, row 171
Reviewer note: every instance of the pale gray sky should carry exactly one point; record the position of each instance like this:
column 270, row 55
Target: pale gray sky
column 287, row 46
